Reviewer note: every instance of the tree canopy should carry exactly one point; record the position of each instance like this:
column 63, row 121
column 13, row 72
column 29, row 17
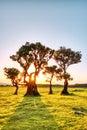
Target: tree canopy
column 36, row 54
column 52, row 72
column 39, row 55
column 12, row 74
column 65, row 57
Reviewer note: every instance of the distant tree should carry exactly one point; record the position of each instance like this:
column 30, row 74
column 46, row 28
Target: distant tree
column 66, row 76
column 52, row 71
column 35, row 54
column 64, row 58
column 12, row 74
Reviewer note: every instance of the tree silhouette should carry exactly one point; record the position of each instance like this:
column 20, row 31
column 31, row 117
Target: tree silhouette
column 52, row 71
column 12, row 73
column 40, row 55
column 35, row 54
column 64, row 58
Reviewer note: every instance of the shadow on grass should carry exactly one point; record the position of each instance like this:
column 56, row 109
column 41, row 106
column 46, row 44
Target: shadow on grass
column 31, row 114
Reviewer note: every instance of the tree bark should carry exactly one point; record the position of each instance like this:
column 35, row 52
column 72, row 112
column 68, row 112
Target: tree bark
column 16, row 91
column 50, row 89
column 65, row 89
column 32, row 86
column 32, row 90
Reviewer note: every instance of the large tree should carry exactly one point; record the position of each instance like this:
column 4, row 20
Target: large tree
column 36, row 54
column 12, row 73
column 64, row 58
column 40, row 55
column 52, row 72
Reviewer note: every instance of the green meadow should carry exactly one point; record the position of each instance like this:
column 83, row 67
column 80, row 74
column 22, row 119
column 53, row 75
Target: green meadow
column 44, row 112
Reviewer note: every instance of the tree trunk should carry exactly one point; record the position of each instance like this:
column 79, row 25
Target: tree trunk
column 16, row 91
column 32, row 90
column 65, row 89
column 32, row 87
column 50, row 89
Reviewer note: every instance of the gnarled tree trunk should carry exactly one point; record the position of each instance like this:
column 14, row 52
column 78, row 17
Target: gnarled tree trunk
column 32, row 87
column 65, row 89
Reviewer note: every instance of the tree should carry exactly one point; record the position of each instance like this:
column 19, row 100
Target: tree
column 40, row 55
column 35, row 54
column 12, row 73
column 66, row 77
column 64, row 58
column 52, row 71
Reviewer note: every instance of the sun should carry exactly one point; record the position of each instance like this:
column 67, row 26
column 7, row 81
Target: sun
column 31, row 69
column 41, row 79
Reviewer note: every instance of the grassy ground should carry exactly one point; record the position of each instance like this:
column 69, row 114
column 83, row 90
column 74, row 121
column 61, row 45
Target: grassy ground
column 46, row 112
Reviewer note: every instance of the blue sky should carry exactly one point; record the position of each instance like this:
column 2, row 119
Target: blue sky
column 54, row 23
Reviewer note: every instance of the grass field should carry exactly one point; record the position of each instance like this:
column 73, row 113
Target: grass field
column 45, row 112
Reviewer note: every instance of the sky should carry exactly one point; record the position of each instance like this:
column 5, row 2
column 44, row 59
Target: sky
column 54, row 23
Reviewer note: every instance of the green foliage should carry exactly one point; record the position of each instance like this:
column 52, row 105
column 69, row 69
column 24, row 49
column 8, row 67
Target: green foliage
column 53, row 71
column 66, row 76
column 23, row 57
column 11, row 73
column 66, row 57
column 39, row 55
column 32, row 53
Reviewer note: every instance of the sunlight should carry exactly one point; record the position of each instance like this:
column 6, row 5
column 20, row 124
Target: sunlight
column 41, row 79
column 32, row 78
column 31, row 69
